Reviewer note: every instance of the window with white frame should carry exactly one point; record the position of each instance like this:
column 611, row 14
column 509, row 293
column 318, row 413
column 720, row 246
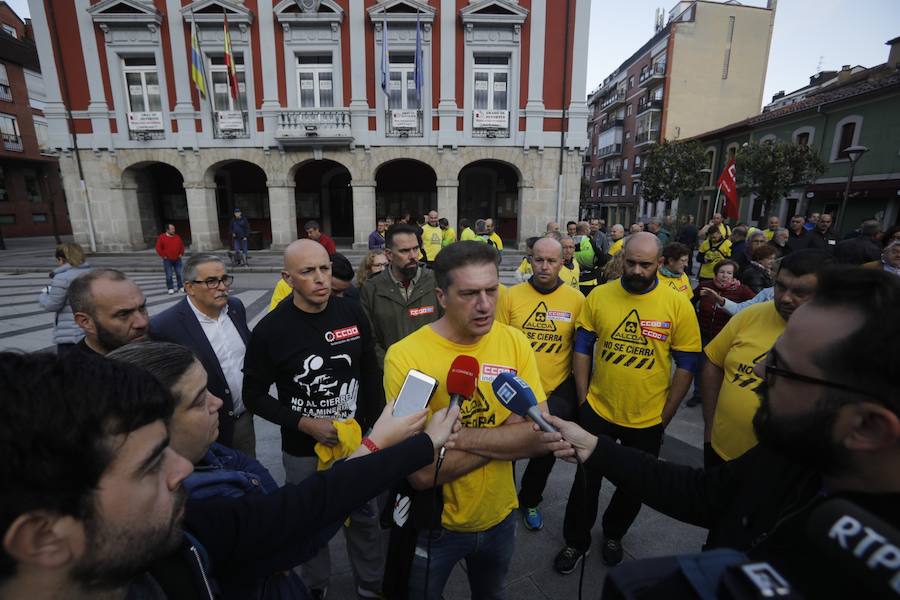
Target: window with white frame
column 42, row 132
column 491, row 85
column 315, row 81
column 5, row 90
column 141, row 84
column 402, row 82
column 221, row 95
column 9, row 132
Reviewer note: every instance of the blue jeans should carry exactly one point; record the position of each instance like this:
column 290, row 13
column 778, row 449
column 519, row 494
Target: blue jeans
column 240, row 245
column 487, row 555
column 173, row 266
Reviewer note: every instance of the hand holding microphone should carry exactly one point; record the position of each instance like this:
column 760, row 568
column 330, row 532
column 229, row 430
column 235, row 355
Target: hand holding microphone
column 516, row 395
column 462, row 379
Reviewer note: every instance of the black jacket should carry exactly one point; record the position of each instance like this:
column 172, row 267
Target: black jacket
column 246, row 538
column 857, row 251
column 758, row 503
column 179, row 325
column 756, row 278
column 800, row 242
column 823, row 241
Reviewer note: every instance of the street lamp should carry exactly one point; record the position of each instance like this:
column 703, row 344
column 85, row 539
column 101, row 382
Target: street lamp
column 854, row 153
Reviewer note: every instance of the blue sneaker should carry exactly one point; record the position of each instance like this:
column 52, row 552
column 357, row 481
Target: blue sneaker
column 533, row 519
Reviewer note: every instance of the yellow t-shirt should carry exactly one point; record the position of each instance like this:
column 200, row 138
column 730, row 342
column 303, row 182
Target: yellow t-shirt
column 615, row 247
column 525, row 269
column 548, row 321
column 482, row 498
column 448, row 237
column 769, row 234
column 712, row 256
column 282, row 291
column 679, row 284
column 432, row 239
column 636, row 334
column 498, row 243
column 467, row 234
column 743, row 342
column 570, row 276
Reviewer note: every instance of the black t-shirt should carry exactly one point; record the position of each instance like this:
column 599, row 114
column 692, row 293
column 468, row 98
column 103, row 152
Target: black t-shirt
column 322, row 364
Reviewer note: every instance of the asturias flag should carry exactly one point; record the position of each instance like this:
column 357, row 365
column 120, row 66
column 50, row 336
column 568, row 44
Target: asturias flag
column 727, row 183
column 229, row 63
column 198, row 71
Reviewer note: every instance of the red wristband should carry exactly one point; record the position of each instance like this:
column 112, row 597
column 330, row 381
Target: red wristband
column 368, row 443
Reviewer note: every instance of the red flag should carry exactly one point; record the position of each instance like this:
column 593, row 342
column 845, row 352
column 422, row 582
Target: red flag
column 727, row 183
column 229, row 62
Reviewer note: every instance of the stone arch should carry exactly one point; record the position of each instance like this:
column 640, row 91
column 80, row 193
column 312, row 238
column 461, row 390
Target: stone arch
column 405, row 184
column 323, row 193
column 240, row 183
column 491, row 188
column 154, row 190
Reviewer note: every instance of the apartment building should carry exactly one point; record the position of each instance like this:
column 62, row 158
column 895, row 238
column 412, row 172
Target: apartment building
column 346, row 110
column 704, row 67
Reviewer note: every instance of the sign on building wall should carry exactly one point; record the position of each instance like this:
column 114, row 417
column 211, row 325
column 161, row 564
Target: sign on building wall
column 145, row 121
column 230, row 120
column 490, row 119
column 404, row 119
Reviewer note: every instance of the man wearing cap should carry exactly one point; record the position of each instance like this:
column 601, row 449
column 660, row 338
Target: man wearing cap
column 240, row 231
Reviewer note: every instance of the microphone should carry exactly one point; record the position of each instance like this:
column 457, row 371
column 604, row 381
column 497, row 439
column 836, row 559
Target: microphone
column 860, row 543
column 462, row 378
column 516, row 395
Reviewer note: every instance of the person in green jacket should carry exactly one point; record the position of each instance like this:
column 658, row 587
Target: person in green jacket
column 400, row 299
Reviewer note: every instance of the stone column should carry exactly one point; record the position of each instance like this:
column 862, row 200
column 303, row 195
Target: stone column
column 282, row 213
column 202, row 214
column 363, row 212
column 447, row 200
column 117, row 218
column 533, row 213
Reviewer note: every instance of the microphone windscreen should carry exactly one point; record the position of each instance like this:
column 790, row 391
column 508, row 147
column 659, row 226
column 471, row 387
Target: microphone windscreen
column 864, row 546
column 463, row 376
column 515, row 394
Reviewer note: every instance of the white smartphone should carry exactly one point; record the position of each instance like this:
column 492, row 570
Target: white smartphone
column 415, row 394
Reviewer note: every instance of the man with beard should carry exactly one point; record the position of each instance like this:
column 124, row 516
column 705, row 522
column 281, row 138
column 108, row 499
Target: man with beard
column 111, row 310
column 727, row 382
column 828, row 427
column 640, row 328
column 822, row 235
column 402, row 299
column 214, row 326
column 319, row 352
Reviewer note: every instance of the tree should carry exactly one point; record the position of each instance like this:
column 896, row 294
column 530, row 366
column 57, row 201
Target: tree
column 771, row 169
column 671, row 169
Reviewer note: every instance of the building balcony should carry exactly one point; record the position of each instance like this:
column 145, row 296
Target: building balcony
column 609, row 175
column 612, row 123
column 648, row 104
column 403, row 123
column 12, row 142
column 612, row 100
column 490, row 123
column 5, row 93
column 646, row 137
column 314, row 127
column 636, row 172
column 611, row 150
column 654, row 73
column 231, row 124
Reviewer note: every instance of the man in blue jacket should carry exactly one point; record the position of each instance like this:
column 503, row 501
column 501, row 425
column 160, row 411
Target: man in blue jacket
column 240, row 231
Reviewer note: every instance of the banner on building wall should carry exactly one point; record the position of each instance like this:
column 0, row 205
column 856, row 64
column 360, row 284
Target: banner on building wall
column 230, row 120
column 490, row 119
column 405, row 119
column 145, row 121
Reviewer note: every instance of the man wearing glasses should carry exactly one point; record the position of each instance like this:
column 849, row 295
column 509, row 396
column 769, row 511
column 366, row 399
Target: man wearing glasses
column 214, row 326
column 828, row 426
column 727, row 382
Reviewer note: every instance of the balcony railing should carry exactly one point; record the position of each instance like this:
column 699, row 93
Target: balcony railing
column 314, row 127
column 12, row 142
column 610, row 150
column 403, row 123
column 5, row 93
column 612, row 123
column 231, row 124
column 646, row 137
column 656, row 71
column 646, row 104
column 610, row 175
column 613, row 99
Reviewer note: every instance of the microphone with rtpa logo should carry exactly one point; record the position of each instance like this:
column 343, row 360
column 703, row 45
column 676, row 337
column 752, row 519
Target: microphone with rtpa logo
column 462, row 379
column 516, row 395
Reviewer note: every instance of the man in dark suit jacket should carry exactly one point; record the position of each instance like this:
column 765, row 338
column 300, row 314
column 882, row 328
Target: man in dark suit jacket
column 214, row 326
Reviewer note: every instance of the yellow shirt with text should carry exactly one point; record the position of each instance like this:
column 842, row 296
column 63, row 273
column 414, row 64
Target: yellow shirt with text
column 495, row 239
column 712, row 256
column 484, row 497
column 571, row 276
column 743, row 342
column 432, row 241
column 679, row 284
column 525, row 269
column 615, row 247
column 548, row 321
column 636, row 334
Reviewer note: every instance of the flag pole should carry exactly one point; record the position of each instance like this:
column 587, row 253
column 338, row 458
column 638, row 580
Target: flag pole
column 716, row 205
column 206, row 82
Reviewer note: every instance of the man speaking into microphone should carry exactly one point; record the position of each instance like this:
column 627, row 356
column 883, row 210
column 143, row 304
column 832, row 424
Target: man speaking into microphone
column 479, row 495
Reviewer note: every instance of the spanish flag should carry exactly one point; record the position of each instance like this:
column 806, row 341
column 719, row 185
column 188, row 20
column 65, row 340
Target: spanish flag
column 229, row 62
column 198, row 71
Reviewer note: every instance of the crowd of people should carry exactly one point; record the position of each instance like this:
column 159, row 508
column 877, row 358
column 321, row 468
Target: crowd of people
column 130, row 464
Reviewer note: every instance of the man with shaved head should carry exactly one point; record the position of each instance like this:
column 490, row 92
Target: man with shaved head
column 545, row 308
column 632, row 330
column 319, row 352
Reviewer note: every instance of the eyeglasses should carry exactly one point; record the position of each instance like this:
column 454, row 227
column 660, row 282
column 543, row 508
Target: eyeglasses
column 772, row 369
column 212, row 283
